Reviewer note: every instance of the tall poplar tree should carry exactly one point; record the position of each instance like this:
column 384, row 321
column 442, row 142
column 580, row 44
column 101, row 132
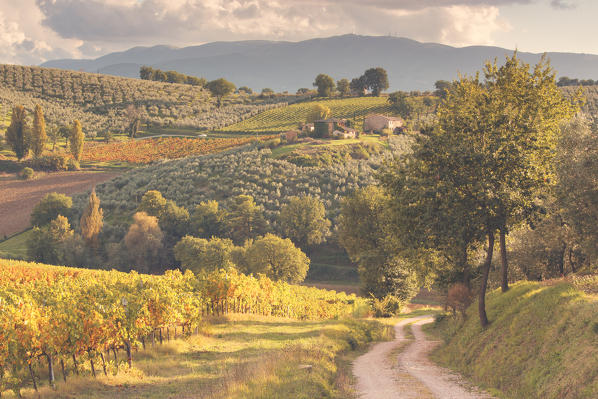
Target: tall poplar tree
column 76, row 140
column 17, row 134
column 38, row 133
column 92, row 220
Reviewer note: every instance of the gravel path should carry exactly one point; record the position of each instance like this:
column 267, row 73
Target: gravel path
column 381, row 373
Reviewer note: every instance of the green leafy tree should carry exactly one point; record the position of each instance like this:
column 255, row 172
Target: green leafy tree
column 325, row 85
column 92, row 220
column 303, row 220
column 317, row 112
column 174, row 221
column 76, row 140
column 277, row 258
column 245, row 219
column 376, row 79
column 18, row 132
column 245, row 89
column 38, row 133
column 201, row 255
column 46, row 244
column 491, row 153
column 220, row 88
column 152, row 203
column 146, row 73
column 362, row 232
column 344, row 87
column 358, row 86
column 209, row 220
column 48, row 209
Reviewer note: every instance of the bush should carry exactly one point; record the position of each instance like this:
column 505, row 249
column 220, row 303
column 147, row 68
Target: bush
column 73, row 164
column 459, row 298
column 388, row 306
column 51, row 162
column 27, row 174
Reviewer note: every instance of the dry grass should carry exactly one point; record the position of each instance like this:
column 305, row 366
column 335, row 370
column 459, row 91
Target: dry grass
column 238, row 357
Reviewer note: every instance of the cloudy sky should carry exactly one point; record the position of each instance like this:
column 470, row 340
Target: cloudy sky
column 33, row 31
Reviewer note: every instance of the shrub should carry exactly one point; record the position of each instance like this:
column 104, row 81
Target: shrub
column 459, row 298
column 388, row 306
column 51, row 162
column 27, row 174
column 73, row 164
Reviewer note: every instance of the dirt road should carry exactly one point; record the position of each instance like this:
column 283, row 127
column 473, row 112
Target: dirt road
column 401, row 369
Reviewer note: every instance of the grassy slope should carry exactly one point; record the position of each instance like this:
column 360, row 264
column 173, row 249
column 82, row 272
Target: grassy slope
column 15, row 247
column 242, row 357
column 542, row 343
column 289, row 117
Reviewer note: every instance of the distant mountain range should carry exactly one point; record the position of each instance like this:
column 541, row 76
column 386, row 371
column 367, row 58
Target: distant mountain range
column 411, row 65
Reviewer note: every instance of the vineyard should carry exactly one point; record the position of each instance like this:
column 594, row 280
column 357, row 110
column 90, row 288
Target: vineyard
column 150, row 150
column 100, row 101
column 68, row 316
column 290, row 117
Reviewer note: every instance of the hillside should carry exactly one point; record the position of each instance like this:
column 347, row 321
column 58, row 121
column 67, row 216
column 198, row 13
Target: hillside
column 289, row 117
column 542, row 341
column 290, row 65
column 100, row 101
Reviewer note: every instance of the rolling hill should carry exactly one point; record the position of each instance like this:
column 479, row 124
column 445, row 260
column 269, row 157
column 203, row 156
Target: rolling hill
column 290, row 65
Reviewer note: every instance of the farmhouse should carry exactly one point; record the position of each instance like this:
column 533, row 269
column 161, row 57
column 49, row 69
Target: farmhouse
column 324, row 128
column 375, row 123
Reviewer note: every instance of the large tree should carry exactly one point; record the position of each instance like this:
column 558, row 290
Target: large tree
column 52, row 205
column 277, row 258
column 325, row 85
column 144, row 243
column 344, row 87
column 245, row 219
column 376, row 79
column 199, row 254
column 363, row 232
column 209, row 220
column 220, row 88
column 38, row 133
column 489, row 155
column 76, row 140
column 303, row 220
column 18, row 132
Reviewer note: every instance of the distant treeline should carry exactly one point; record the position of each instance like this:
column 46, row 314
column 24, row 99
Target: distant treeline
column 566, row 81
column 149, row 73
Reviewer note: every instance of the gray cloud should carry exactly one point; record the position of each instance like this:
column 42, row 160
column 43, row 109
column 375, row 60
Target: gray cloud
column 563, row 4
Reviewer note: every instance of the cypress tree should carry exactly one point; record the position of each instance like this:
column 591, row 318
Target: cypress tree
column 17, row 134
column 76, row 140
column 38, row 134
column 92, row 220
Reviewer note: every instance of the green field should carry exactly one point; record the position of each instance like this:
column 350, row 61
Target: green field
column 289, row 117
column 15, row 247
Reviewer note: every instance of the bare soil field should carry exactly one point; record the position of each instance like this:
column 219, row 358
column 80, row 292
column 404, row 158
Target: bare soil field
column 18, row 197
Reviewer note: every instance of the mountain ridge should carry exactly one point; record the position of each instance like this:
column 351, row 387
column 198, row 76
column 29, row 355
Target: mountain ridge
column 285, row 65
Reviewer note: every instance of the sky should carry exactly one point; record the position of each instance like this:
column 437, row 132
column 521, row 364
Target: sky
column 34, row 31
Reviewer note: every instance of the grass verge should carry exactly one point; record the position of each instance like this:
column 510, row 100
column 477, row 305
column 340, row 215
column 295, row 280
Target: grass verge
column 542, row 343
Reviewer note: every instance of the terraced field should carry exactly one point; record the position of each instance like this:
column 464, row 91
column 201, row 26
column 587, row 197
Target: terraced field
column 289, row 117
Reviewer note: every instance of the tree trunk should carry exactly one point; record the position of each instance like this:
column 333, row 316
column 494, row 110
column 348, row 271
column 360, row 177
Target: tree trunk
column 32, row 377
column 129, row 356
column 62, row 367
column 484, row 285
column 561, row 260
column 103, row 362
column 76, row 365
column 93, row 369
column 51, row 379
column 503, row 260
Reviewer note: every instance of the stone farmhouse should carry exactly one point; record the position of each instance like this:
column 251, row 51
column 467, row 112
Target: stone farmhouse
column 375, row 123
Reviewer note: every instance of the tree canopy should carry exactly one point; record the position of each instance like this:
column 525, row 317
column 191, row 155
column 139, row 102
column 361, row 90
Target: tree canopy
column 325, row 85
column 18, row 132
column 220, row 88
